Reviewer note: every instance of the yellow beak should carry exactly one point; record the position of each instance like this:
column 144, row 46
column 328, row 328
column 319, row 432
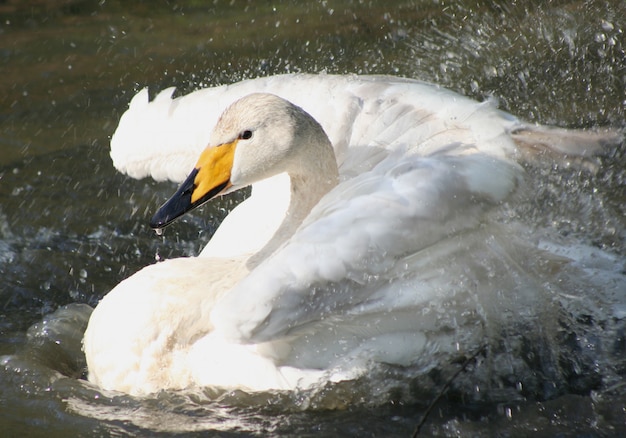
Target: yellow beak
column 214, row 167
column 209, row 178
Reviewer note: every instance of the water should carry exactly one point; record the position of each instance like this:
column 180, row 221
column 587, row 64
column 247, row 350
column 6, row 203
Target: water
column 71, row 227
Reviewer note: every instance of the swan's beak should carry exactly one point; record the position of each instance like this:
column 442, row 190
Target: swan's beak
column 209, row 178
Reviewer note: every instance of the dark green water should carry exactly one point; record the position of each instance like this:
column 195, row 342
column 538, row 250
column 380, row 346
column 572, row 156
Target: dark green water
column 71, row 227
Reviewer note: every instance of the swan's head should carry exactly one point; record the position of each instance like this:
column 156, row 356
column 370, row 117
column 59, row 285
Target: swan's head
column 258, row 136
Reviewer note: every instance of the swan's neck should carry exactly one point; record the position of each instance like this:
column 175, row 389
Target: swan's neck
column 308, row 183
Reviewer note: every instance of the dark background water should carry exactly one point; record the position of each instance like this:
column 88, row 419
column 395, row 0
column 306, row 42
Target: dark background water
column 71, row 227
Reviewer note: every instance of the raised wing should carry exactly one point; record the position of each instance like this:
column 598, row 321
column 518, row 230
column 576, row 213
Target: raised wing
column 164, row 137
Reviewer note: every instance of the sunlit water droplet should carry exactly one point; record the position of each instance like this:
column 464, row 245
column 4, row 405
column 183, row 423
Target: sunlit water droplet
column 607, row 25
column 509, row 413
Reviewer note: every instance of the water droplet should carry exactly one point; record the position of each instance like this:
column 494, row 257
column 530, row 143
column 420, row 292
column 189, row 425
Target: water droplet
column 607, row 25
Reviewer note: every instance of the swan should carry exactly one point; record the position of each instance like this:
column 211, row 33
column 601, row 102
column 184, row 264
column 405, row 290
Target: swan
column 369, row 203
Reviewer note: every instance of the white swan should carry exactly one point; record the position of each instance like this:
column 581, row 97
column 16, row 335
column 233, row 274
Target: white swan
column 332, row 262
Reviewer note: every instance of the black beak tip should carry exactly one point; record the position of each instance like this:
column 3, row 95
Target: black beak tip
column 175, row 207
column 158, row 223
column 179, row 204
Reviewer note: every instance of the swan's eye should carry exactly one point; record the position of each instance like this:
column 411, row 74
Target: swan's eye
column 245, row 135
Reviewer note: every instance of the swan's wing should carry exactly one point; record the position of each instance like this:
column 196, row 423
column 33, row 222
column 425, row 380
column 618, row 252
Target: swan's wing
column 162, row 138
column 355, row 239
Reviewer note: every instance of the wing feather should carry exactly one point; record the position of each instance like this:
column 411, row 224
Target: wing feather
column 353, row 241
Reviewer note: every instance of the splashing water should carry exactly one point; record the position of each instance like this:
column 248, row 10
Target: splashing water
column 555, row 340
